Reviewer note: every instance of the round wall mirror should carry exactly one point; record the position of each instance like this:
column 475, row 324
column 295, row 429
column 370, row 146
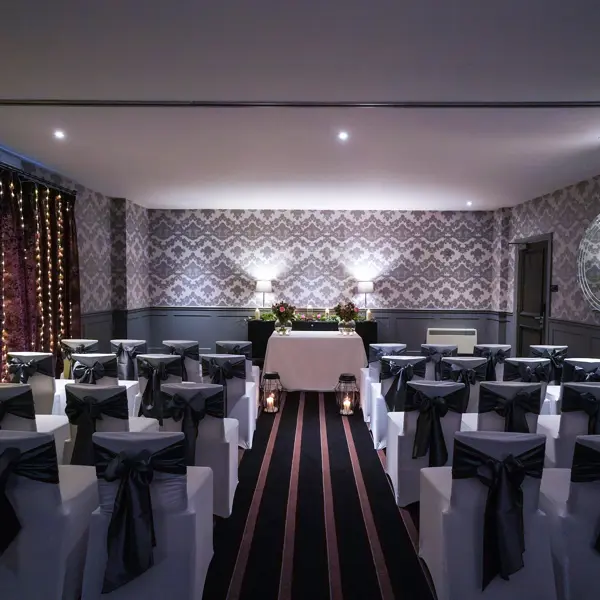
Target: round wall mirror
column 588, row 264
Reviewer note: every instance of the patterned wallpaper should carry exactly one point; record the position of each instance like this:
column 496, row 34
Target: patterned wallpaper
column 418, row 260
column 118, row 241
column 136, row 224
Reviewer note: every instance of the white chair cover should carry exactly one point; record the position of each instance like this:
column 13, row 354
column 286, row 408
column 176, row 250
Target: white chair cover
column 495, row 354
column 571, row 499
column 38, row 370
column 17, row 409
column 127, row 351
column 581, row 370
column 167, row 364
column 189, row 352
column 98, row 369
column 402, row 468
column 434, row 354
column 46, row 558
column 451, row 528
column 528, row 370
column 470, row 371
column 73, row 346
column 377, row 352
column 237, row 347
column 182, row 512
column 216, row 444
column 556, row 354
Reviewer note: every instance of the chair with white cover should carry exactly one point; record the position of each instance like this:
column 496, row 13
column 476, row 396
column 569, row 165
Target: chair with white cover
column 434, row 354
column 556, row 355
column 98, row 369
column 189, row 352
column 38, row 370
column 580, row 412
column 153, row 371
column 127, row 352
column 43, row 542
column 581, row 370
column 422, row 435
column 152, row 533
column 570, row 498
column 481, row 532
column 92, row 408
column 14, row 398
column 229, row 370
column 198, row 410
column 528, row 370
column 72, row 346
column 470, row 371
column 495, row 354
column 377, row 352
column 509, row 406
column 388, row 396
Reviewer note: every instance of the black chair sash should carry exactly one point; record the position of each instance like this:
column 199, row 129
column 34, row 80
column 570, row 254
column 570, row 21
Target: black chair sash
column 503, row 529
column 376, row 354
column 237, row 349
column 183, row 353
column 401, row 375
column 586, row 469
column 151, row 405
column 190, row 412
column 84, row 412
column 21, row 405
column 513, row 410
column 85, row 374
column 494, row 356
column 429, row 435
column 21, row 371
column 461, row 374
column 575, row 401
column 435, row 355
column 220, row 373
column 126, row 355
column 573, row 373
column 525, row 373
column 68, row 351
column 557, row 359
column 38, row 464
column 131, row 538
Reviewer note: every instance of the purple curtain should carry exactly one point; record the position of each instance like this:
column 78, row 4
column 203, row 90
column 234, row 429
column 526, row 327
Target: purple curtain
column 39, row 287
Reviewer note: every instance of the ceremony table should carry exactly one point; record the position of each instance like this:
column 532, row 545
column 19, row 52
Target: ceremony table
column 314, row 360
column 60, row 396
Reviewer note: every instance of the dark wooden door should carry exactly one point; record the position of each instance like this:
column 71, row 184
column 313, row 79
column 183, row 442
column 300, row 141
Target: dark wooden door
column 531, row 296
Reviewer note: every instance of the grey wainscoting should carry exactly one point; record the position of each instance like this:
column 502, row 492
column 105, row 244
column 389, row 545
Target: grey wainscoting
column 583, row 339
column 99, row 326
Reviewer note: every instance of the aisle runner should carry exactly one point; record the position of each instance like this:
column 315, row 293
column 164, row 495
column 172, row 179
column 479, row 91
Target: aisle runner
column 314, row 516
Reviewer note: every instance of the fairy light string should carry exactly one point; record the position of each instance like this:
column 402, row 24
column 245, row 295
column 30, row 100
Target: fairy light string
column 49, row 262
column 61, row 271
column 39, row 292
column 3, row 340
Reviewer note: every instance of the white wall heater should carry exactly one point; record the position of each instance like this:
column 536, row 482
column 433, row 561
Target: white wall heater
column 465, row 339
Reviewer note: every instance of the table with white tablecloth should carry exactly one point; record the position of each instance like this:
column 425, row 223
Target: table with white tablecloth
column 314, row 360
column 60, row 396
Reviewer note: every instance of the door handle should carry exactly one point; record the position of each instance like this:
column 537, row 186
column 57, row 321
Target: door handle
column 541, row 319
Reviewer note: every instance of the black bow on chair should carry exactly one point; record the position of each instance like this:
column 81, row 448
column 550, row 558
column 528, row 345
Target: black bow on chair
column 429, row 436
column 512, row 410
column 38, row 464
column 462, row 374
column 503, row 529
column 435, row 355
column 557, row 359
column 190, row 411
column 151, row 405
column 84, row 412
column 586, row 469
column 494, row 356
column 21, row 371
column 126, row 355
column 523, row 372
column 220, row 373
column 376, row 354
column 579, row 374
column 574, row 401
column 401, row 374
column 67, row 353
column 20, row 405
column 131, row 537
column 85, row 374
column 183, row 353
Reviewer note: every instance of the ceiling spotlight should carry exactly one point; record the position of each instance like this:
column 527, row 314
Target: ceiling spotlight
column 59, row 134
column 343, row 136
column 469, row 203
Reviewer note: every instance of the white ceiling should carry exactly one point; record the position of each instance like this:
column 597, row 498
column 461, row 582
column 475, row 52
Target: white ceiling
column 336, row 50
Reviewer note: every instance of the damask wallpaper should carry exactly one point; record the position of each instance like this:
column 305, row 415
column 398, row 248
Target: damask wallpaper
column 418, row 260
column 137, row 264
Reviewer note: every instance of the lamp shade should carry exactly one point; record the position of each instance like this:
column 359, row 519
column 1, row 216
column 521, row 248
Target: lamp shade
column 264, row 285
column 365, row 287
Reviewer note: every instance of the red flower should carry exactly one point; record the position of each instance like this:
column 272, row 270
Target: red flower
column 281, row 309
column 356, row 309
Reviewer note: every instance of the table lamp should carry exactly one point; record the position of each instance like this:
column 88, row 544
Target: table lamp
column 365, row 287
column 264, row 286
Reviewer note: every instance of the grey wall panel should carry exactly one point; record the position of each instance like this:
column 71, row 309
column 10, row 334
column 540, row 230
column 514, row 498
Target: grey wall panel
column 98, row 326
column 583, row 340
column 138, row 324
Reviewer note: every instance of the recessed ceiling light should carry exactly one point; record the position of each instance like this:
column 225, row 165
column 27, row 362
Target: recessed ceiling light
column 469, row 203
column 59, row 134
column 343, row 136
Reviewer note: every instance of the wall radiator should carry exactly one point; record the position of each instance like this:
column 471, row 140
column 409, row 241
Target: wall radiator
column 465, row 339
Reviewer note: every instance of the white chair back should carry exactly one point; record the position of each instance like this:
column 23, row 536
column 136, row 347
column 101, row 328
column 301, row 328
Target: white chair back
column 495, row 355
column 98, row 369
column 127, row 351
column 581, row 370
column 74, row 346
column 172, row 360
column 417, row 363
column 16, row 401
column 557, row 354
column 434, row 354
column 237, row 347
column 528, row 370
column 188, row 350
column 41, row 379
column 377, row 352
column 470, row 371
column 228, row 370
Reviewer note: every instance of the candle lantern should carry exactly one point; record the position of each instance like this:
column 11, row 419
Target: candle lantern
column 347, row 394
column 271, row 392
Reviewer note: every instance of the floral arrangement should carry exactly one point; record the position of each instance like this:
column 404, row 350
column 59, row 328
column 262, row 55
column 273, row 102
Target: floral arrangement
column 347, row 311
column 283, row 311
column 314, row 316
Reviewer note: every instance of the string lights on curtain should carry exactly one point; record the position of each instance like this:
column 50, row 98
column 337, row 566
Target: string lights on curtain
column 3, row 339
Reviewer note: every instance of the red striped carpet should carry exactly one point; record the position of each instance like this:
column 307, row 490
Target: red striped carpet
column 314, row 516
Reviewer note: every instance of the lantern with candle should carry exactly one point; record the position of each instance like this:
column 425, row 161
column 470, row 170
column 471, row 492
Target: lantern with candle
column 271, row 392
column 347, row 394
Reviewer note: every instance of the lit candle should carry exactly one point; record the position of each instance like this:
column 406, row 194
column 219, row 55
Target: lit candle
column 327, row 313
column 309, row 309
column 257, row 314
column 271, row 404
column 347, row 406
column 368, row 314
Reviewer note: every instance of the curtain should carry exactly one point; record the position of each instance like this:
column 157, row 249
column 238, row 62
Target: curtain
column 39, row 287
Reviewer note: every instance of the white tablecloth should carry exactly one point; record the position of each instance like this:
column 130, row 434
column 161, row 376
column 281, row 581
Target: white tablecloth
column 314, row 360
column 60, row 396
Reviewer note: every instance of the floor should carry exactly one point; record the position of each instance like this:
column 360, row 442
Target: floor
column 314, row 516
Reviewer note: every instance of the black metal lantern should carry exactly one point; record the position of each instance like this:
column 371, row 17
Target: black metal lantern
column 271, row 390
column 347, row 394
